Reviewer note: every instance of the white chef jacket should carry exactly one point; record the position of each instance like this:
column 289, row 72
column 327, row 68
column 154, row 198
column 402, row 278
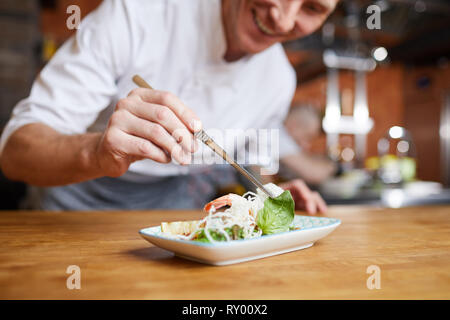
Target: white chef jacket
column 176, row 46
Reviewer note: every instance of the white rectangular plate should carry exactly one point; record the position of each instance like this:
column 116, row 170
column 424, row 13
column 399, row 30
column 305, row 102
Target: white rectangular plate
column 224, row 253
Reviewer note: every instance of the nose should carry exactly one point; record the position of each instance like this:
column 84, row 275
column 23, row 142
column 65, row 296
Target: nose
column 285, row 15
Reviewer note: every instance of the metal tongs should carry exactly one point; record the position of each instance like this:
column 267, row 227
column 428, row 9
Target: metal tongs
column 203, row 137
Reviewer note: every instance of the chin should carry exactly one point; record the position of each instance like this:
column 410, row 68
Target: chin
column 251, row 47
column 252, row 41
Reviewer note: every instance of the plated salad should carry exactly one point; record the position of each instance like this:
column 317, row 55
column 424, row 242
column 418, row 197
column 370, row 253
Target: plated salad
column 234, row 217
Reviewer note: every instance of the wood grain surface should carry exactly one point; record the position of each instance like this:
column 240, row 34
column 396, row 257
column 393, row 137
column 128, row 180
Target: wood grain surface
column 410, row 245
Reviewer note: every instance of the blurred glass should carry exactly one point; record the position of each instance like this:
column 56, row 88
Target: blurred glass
column 396, row 157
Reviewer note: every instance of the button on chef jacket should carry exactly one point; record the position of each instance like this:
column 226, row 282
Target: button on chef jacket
column 176, row 46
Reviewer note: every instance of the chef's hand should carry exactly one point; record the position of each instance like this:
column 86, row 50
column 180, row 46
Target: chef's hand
column 304, row 198
column 148, row 124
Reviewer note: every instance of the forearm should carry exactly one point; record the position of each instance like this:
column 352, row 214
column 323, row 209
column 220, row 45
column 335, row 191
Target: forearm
column 38, row 155
column 311, row 169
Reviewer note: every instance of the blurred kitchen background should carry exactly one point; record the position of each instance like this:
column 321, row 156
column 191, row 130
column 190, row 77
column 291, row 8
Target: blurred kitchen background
column 383, row 94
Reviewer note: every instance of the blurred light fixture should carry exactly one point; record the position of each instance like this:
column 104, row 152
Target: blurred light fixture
column 380, row 54
column 339, row 61
column 396, row 132
column 403, row 146
column 347, row 154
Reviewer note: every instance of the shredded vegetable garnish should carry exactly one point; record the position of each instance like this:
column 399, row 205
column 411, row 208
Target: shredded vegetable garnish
column 237, row 221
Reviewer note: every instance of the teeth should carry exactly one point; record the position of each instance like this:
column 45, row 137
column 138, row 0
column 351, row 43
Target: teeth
column 262, row 26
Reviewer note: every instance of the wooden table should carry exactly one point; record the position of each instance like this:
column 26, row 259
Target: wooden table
column 411, row 246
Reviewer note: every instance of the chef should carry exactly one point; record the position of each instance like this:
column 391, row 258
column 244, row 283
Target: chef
column 87, row 138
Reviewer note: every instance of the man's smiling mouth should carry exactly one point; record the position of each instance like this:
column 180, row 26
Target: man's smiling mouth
column 261, row 26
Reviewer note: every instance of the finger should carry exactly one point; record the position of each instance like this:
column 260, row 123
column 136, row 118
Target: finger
column 306, row 195
column 138, row 148
column 166, row 118
column 311, row 206
column 321, row 204
column 155, row 133
column 186, row 115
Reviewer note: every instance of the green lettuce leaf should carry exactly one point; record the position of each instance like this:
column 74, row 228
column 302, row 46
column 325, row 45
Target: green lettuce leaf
column 277, row 214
